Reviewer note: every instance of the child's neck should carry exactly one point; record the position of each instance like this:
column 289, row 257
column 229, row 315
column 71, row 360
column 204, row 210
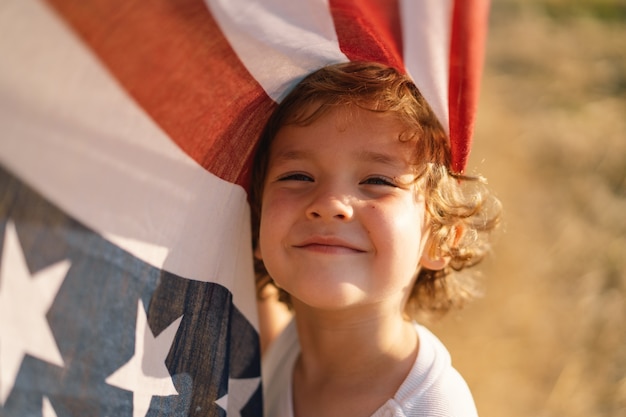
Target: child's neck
column 351, row 362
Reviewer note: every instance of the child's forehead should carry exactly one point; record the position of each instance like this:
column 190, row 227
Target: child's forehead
column 369, row 135
column 319, row 116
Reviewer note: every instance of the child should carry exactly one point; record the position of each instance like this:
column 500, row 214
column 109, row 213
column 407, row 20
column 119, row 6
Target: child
column 361, row 227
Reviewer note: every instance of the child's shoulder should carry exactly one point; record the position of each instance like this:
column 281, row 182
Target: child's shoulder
column 277, row 368
column 433, row 386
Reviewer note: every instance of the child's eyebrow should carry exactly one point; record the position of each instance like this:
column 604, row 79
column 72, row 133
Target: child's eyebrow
column 381, row 158
column 291, row 155
column 364, row 156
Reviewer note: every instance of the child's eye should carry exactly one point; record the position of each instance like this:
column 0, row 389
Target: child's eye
column 296, row 177
column 379, row 181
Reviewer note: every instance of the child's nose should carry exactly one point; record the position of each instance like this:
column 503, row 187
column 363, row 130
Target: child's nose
column 330, row 206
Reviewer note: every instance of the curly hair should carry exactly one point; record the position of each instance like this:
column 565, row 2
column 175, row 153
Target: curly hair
column 460, row 211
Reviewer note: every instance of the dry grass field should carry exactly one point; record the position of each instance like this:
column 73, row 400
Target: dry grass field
column 549, row 337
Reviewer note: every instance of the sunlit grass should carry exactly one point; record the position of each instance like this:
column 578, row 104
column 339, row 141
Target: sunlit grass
column 606, row 10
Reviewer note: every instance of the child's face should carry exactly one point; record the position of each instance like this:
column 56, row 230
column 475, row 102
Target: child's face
column 341, row 220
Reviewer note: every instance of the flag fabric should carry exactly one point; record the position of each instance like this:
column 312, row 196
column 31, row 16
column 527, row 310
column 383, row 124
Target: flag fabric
column 127, row 132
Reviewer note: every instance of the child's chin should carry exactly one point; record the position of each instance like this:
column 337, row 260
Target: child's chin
column 331, row 299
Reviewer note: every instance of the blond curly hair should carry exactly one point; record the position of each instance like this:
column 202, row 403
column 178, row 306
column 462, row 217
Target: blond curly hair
column 460, row 211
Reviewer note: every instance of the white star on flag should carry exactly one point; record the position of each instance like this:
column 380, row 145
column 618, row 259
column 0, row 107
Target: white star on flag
column 145, row 374
column 46, row 409
column 24, row 301
column 244, row 388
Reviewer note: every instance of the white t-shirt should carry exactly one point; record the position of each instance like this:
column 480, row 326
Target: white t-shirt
column 433, row 387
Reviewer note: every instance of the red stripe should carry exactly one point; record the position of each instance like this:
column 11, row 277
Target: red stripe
column 174, row 61
column 467, row 50
column 369, row 30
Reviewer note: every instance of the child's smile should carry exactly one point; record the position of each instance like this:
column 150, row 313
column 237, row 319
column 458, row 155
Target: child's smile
column 328, row 245
column 341, row 221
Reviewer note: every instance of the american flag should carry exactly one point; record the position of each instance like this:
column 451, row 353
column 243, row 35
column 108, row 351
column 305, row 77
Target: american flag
column 127, row 129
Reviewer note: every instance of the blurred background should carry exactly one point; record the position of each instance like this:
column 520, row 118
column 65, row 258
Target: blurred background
column 549, row 336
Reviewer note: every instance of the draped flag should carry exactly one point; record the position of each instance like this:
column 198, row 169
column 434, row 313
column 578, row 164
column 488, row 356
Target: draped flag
column 127, row 132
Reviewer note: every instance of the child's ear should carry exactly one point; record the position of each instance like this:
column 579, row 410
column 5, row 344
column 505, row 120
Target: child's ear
column 431, row 258
column 433, row 263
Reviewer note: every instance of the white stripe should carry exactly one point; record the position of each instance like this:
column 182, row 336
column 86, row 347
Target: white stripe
column 279, row 41
column 73, row 134
column 426, row 33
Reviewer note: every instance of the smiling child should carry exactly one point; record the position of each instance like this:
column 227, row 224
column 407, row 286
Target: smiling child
column 360, row 224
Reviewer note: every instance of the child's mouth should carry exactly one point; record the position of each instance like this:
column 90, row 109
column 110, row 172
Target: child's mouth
column 329, row 245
